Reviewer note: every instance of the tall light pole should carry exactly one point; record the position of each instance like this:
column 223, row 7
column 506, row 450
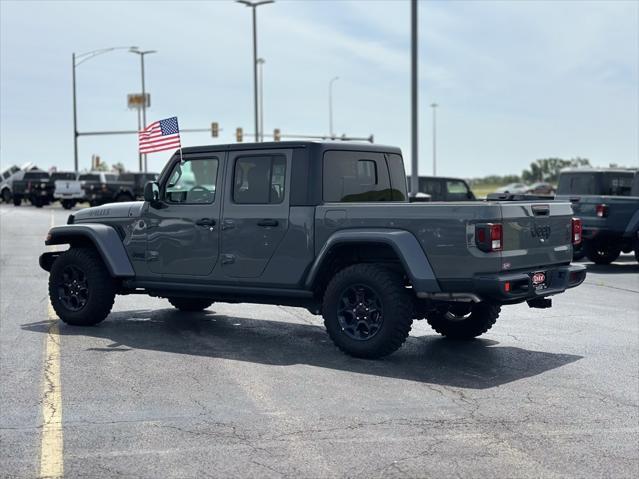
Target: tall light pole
column 330, row 106
column 137, row 51
column 414, row 180
column 434, row 107
column 77, row 60
column 254, row 6
column 261, row 62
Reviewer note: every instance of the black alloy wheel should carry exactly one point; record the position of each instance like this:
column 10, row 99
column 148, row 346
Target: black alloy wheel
column 73, row 291
column 360, row 312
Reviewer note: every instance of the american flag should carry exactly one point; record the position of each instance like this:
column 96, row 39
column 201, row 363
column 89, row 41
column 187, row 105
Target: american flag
column 160, row 135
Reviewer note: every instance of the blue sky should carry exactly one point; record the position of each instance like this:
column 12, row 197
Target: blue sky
column 515, row 80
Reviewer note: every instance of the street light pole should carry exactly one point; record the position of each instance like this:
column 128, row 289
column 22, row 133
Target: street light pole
column 75, row 120
column 414, row 180
column 330, row 107
column 261, row 63
column 142, row 53
column 434, row 107
column 254, row 6
column 77, row 60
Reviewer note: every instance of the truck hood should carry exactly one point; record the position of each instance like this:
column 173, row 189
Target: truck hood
column 129, row 209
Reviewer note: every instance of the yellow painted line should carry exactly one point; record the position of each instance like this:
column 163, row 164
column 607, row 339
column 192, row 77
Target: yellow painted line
column 51, row 461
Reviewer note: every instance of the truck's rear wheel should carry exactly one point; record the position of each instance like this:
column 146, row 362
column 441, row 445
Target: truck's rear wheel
column 122, row 197
column 80, row 287
column 68, row 204
column 602, row 252
column 367, row 311
column 463, row 320
column 190, row 304
column 17, row 201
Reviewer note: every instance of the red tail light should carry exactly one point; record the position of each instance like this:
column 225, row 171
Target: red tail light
column 577, row 229
column 602, row 211
column 489, row 237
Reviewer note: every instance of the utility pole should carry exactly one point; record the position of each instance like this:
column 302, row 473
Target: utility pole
column 414, row 179
column 254, row 6
column 142, row 53
column 75, row 120
column 330, row 107
column 261, row 63
column 77, row 60
column 434, row 107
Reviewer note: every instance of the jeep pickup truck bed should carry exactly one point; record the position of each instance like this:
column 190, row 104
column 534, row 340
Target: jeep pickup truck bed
column 325, row 226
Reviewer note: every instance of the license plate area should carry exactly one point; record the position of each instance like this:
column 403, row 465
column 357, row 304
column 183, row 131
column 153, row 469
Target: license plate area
column 539, row 280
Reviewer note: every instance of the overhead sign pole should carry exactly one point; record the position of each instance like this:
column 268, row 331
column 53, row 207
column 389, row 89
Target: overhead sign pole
column 414, row 184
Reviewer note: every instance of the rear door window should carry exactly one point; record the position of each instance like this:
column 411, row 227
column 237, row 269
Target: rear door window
column 352, row 176
column 259, row 180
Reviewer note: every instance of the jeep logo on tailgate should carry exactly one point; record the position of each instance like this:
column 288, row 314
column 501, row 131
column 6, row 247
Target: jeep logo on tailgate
column 541, row 232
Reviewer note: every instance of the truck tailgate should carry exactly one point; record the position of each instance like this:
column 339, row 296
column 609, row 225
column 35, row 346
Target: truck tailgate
column 536, row 234
column 68, row 188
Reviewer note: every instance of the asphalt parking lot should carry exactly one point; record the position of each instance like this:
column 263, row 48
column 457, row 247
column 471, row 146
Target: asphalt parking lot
column 260, row 391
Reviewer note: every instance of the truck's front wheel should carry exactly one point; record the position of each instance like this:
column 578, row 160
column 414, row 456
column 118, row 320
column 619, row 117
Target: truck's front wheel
column 463, row 320
column 80, row 287
column 367, row 311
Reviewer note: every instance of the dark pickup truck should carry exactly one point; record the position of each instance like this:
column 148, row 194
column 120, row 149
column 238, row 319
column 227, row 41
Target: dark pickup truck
column 35, row 186
column 101, row 188
column 607, row 201
column 324, row 226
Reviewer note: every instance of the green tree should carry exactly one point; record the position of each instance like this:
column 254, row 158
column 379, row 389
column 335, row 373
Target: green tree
column 119, row 167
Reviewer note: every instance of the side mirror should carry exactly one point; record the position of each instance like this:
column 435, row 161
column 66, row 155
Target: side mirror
column 419, row 198
column 152, row 192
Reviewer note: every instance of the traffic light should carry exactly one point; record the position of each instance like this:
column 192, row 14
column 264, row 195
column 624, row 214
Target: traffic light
column 215, row 129
column 277, row 135
column 239, row 135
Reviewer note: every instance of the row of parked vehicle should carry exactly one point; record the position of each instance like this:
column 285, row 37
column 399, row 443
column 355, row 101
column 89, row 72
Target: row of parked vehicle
column 605, row 199
column 28, row 183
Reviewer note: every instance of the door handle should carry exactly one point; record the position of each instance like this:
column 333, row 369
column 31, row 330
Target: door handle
column 205, row 222
column 268, row 222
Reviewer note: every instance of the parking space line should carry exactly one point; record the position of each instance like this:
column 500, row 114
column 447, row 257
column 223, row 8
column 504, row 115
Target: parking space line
column 51, row 459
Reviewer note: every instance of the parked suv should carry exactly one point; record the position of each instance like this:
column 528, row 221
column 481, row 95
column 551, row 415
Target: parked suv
column 607, row 201
column 323, row 226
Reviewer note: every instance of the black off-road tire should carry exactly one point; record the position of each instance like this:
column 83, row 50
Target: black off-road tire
column 17, row 201
column 100, row 287
column 190, row 304
column 68, row 204
column 6, row 195
column 122, row 197
column 602, row 252
column 458, row 326
column 396, row 304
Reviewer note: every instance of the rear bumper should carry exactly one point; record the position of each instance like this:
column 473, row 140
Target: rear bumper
column 517, row 287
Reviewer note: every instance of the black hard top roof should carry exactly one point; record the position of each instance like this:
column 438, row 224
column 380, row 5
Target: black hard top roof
column 320, row 145
column 600, row 170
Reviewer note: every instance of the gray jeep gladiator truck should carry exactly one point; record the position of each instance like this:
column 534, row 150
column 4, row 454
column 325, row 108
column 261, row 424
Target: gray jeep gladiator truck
column 607, row 202
column 324, row 226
